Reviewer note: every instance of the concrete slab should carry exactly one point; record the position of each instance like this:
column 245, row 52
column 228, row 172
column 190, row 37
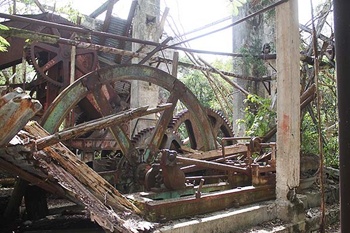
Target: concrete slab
column 224, row 221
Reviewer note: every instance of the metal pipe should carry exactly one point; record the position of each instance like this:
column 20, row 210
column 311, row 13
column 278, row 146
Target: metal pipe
column 53, row 39
column 205, row 177
column 76, row 29
column 212, row 165
column 342, row 48
column 234, row 23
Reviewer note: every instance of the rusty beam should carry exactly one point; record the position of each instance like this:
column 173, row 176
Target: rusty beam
column 208, row 69
column 107, row 21
column 76, row 29
column 232, row 83
column 155, row 50
column 127, row 29
column 212, row 154
column 212, row 165
column 267, row 8
column 53, row 39
column 97, row 124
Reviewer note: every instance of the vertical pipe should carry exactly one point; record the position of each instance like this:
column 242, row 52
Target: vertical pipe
column 342, row 48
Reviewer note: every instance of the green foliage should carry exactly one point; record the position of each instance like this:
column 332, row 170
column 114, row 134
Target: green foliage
column 329, row 121
column 236, row 4
column 68, row 10
column 199, row 85
column 251, row 63
column 3, row 42
column 259, row 118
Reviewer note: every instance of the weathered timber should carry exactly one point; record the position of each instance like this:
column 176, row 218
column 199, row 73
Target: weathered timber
column 87, row 187
column 97, row 124
column 42, row 181
column 80, row 170
column 16, row 109
column 7, row 181
column 213, row 154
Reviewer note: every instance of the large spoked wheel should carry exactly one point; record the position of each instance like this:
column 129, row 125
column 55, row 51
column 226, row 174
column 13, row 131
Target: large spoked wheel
column 93, row 95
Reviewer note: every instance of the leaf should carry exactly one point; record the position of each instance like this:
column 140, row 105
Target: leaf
column 235, row 10
column 4, row 42
column 3, row 27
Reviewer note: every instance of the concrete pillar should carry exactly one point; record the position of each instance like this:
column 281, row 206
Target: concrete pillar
column 247, row 34
column 288, row 110
column 145, row 27
column 240, row 36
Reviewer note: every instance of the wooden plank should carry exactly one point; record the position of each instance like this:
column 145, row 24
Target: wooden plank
column 85, row 186
column 213, row 154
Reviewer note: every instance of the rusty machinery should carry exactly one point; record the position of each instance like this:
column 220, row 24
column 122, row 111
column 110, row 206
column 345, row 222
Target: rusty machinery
column 205, row 169
column 157, row 160
column 52, row 62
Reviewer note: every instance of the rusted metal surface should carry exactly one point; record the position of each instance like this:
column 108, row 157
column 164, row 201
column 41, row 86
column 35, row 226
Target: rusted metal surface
column 88, row 94
column 16, row 109
column 168, row 206
column 173, row 177
column 76, row 29
column 189, row 175
column 50, row 61
column 13, row 33
column 78, row 90
column 212, row 165
column 151, row 163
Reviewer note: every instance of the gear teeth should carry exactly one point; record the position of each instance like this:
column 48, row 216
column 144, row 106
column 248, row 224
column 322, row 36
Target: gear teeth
column 216, row 113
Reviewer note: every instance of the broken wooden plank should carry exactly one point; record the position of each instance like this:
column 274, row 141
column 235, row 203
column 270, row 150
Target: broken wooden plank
column 106, row 217
column 16, row 109
column 86, row 186
column 81, row 171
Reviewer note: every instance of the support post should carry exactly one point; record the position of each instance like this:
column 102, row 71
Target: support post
column 288, row 110
column 342, row 37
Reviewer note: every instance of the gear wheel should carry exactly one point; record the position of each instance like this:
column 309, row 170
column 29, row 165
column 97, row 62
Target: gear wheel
column 182, row 125
column 171, row 139
column 52, row 61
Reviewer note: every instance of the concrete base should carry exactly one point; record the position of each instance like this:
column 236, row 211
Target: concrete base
column 248, row 218
column 225, row 221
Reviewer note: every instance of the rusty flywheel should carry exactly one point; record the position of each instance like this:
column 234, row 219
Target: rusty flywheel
column 93, row 93
column 52, row 62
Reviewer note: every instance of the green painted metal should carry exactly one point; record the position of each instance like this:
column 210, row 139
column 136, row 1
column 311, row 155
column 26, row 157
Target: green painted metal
column 70, row 96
